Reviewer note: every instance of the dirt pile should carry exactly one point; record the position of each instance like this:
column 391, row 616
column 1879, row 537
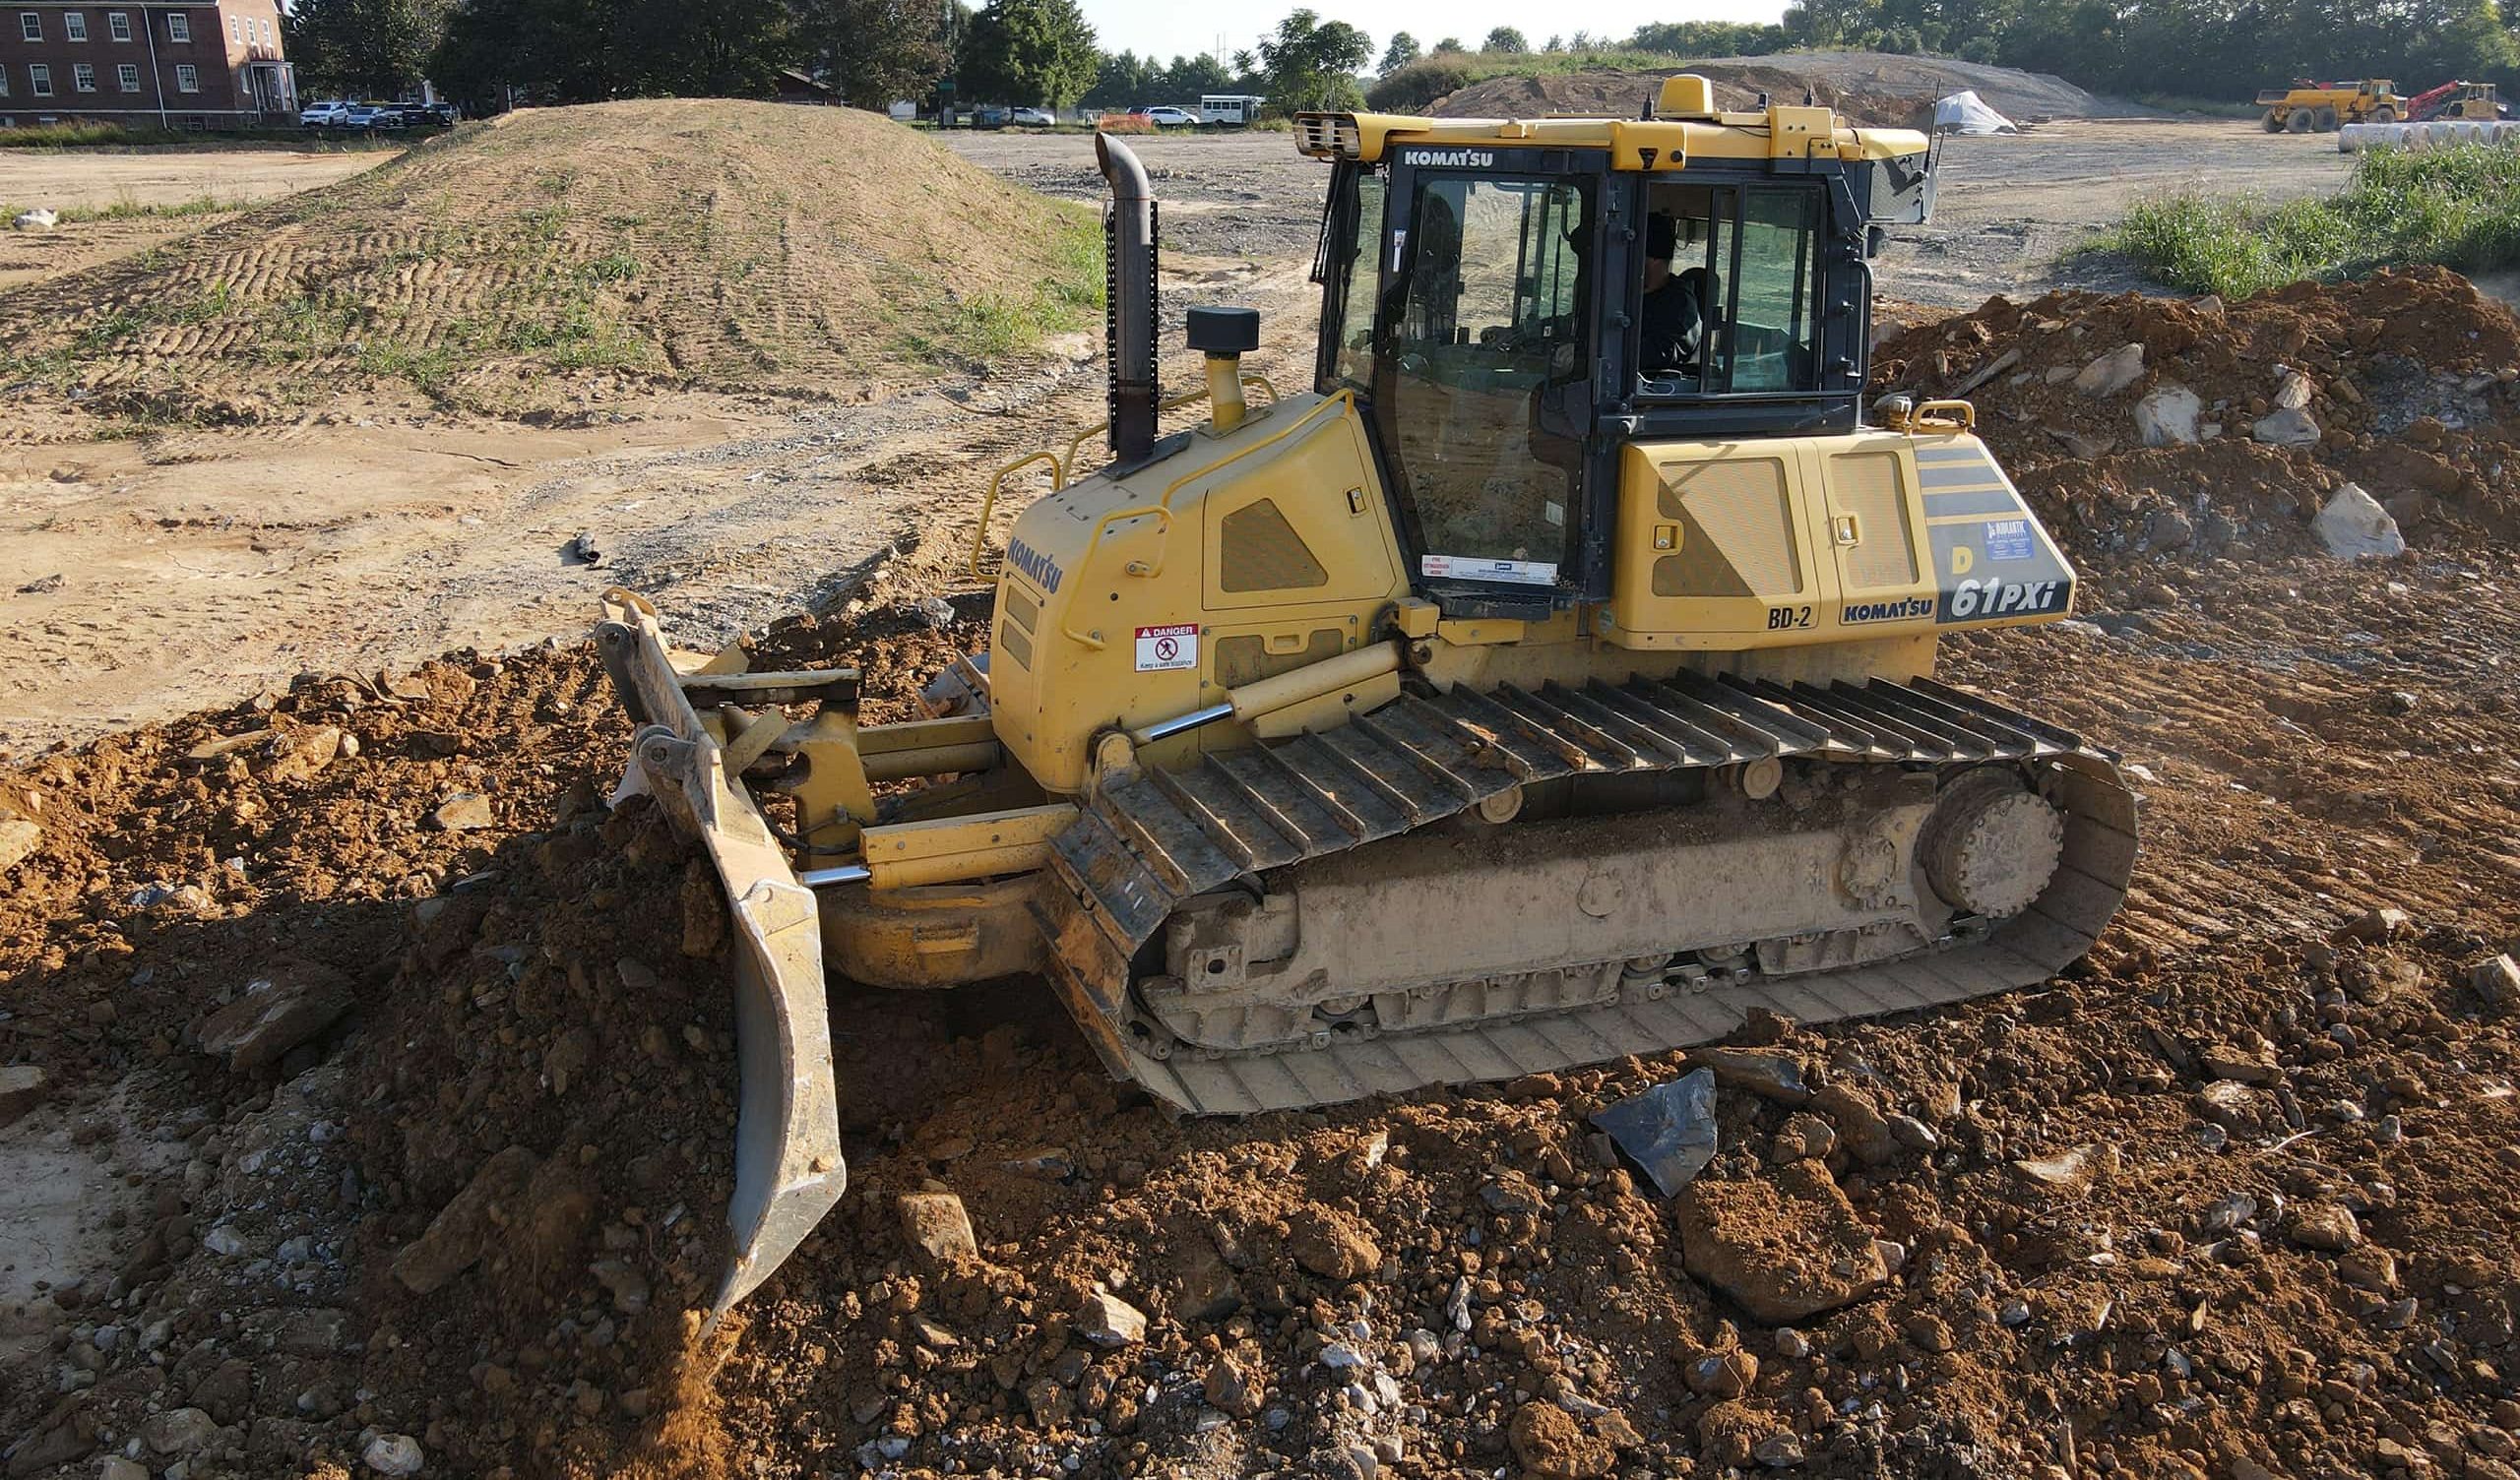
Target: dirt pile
column 1873, row 88
column 723, row 244
column 2151, row 430
column 2230, row 1200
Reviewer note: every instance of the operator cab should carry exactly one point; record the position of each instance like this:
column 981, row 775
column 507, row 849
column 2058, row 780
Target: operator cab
column 1509, row 314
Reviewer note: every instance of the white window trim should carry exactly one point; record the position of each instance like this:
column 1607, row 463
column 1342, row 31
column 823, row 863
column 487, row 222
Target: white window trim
column 4, row 82
column 127, row 77
column 179, row 26
column 187, row 78
column 83, row 77
column 235, row 31
column 74, row 25
column 118, row 24
column 40, row 78
column 30, row 25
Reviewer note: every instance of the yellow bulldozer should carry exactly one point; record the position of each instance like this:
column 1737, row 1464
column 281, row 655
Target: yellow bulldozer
column 2319, row 108
column 1552, row 681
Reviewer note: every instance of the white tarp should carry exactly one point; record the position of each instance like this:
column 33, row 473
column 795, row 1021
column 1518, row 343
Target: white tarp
column 1968, row 113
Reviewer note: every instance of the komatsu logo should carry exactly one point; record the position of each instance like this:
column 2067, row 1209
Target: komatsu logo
column 1044, row 571
column 1886, row 611
column 1449, row 159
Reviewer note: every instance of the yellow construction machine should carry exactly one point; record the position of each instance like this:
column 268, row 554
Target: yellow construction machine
column 1551, row 680
column 2308, row 106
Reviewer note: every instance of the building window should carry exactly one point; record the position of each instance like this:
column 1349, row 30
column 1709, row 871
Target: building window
column 74, row 25
column 30, row 26
column 128, row 73
column 235, row 31
column 41, row 77
column 187, row 78
column 4, row 86
column 179, row 28
column 83, row 76
column 118, row 24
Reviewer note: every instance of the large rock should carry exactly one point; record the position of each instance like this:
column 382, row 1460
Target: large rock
column 275, row 1012
column 1549, row 1444
column 18, row 837
column 1105, row 1320
column 23, row 1087
column 1787, row 1246
column 1332, row 1244
column 2354, row 526
column 937, row 1228
column 2167, row 416
column 1861, row 1128
column 396, row 1454
column 2112, row 372
column 179, row 1431
column 41, row 218
column 462, row 812
column 2285, row 426
column 461, row 1233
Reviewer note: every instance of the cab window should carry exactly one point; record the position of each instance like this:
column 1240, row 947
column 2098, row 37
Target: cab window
column 1729, row 291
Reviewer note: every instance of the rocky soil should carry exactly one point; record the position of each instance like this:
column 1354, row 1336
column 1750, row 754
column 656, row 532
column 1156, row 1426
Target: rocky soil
column 410, row 1065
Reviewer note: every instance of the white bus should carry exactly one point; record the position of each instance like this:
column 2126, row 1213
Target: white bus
column 1234, row 109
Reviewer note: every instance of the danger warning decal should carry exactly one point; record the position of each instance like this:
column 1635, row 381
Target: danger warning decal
column 1161, row 650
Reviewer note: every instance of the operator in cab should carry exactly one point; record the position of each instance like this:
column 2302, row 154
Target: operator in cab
column 1674, row 319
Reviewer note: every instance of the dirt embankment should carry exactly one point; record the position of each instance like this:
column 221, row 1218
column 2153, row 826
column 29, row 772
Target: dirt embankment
column 2232, row 1200
column 714, row 244
column 1873, row 88
column 2156, row 435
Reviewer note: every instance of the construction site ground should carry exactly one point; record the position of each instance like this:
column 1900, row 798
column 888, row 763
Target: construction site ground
column 381, row 1104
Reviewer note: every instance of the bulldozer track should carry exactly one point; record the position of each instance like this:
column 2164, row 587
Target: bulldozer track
column 1150, row 839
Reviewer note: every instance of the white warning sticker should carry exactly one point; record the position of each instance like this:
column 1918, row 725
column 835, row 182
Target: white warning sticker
column 1161, row 650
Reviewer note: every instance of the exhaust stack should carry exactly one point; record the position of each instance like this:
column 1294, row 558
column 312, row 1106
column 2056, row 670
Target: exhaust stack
column 1128, row 325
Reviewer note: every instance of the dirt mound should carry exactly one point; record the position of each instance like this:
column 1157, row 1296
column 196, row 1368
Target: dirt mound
column 1874, row 88
column 815, row 251
column 2229, row 1196
column 2257, row 412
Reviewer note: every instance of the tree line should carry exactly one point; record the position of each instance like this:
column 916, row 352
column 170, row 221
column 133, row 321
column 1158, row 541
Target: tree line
column 486, row 52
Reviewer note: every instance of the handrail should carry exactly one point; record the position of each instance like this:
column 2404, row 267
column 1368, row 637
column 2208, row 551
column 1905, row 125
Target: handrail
column 1966, row 420
column 1092, row 547
column 1345, row 400
column 988, row 505
column 1075, row 444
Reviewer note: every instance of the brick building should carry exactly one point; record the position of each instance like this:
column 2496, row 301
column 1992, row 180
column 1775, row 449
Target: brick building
column 215, row 64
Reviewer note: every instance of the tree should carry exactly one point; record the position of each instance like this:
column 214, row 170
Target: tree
column 722, row 48
column 1400, row 53
column 1553, row 46
column 375, row 48
column 1505, row 39
column 1030, row 51
column 873, row 52
column 1311, row 63
column 1448, row 47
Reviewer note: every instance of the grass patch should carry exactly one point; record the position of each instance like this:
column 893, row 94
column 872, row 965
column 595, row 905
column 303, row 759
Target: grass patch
column 2459, row 207
column 989, row 325
column 127, row 208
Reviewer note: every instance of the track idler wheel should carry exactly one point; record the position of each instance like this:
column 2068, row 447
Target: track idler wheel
column 1991, row 844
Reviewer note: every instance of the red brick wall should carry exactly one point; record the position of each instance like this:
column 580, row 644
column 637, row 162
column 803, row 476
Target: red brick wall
column 222, row 38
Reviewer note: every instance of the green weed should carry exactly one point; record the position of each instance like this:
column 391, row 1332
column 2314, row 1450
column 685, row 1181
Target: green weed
column 2456, row 207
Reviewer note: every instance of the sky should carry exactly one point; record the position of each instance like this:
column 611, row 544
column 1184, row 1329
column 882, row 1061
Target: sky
column 1169, row 28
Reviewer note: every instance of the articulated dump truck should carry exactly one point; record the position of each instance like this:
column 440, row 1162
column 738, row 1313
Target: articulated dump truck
column 1552, row 681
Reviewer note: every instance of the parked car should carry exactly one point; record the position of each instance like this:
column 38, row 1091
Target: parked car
column 426, row 115
column 1035, row 118
column 373, row 115
column 323, row 115
column 1167, row 116
column 990, row 115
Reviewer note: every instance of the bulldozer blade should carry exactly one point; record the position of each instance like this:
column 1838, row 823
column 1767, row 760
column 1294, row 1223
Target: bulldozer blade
column 788, row 1169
